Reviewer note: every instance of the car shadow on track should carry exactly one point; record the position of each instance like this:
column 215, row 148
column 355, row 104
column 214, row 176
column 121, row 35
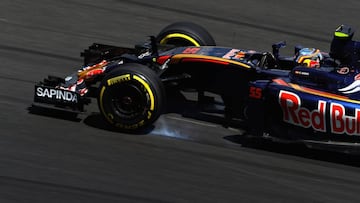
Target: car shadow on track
column 191, row 110
column 54, row 113
column 95, row 119
column 295, row 149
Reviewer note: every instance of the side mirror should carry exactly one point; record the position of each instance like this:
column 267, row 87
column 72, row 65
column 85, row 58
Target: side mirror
column 276, row 47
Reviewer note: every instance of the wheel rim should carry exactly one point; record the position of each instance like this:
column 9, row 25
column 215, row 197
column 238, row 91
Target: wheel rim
column 129, row 101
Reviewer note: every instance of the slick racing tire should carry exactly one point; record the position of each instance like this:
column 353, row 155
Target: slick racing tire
column 131, row 97
column 185, row 34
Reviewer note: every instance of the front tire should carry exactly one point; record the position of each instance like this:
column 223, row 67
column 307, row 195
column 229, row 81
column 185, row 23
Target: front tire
column 131, row 97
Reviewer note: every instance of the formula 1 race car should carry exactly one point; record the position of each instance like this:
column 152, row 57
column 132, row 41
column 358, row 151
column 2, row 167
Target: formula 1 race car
column 305, row 98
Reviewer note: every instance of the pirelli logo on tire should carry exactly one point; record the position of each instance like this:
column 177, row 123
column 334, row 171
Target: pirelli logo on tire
column 118, row 79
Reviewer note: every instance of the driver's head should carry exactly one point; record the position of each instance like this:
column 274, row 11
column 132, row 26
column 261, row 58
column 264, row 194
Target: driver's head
column 309, row 57
column 341, row 41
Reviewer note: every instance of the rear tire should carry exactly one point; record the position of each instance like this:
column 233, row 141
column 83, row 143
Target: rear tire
column 131, row 97
column 185, row 34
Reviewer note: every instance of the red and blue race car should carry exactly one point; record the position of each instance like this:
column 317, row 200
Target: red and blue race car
column 309, row 97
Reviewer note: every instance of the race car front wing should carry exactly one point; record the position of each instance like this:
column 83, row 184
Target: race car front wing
column 48, row 95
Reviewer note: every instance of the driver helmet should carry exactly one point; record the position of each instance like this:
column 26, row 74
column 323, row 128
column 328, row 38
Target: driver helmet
column 309, row 57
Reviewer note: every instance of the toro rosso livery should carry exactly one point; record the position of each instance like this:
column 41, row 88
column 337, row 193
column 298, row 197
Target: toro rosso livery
column 312, row 97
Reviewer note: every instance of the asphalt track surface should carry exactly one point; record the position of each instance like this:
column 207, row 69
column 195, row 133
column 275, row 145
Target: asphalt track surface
column 53, row 159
